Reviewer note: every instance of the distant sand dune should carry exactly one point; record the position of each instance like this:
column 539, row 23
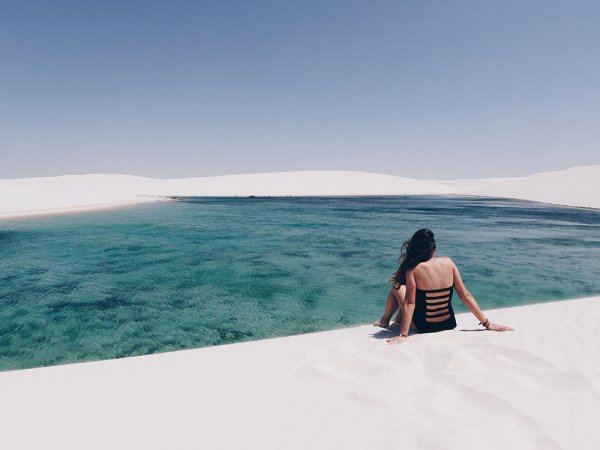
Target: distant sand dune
column 579, row 186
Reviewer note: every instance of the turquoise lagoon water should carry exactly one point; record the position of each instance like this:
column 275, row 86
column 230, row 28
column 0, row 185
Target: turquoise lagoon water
column 206, row 271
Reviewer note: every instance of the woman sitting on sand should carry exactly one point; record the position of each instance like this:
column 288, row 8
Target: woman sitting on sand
column 420, row 291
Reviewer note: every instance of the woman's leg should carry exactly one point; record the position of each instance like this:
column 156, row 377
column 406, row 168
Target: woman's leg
column 400, row 296
column 394, row 302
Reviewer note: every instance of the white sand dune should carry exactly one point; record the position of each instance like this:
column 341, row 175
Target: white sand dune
column 535, row 388
column 579, row 186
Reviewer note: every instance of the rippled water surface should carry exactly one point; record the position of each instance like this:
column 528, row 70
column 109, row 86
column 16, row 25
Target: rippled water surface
column 207, row 271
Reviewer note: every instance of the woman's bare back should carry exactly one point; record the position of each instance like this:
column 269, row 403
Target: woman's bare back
column 436, row 273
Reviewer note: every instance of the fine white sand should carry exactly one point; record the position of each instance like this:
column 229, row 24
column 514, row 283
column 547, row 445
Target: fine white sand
column 535, row 388
column 28, row 196
column 579, row 186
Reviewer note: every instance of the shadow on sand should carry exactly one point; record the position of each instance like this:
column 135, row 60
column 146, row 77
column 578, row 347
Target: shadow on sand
column 389, row 332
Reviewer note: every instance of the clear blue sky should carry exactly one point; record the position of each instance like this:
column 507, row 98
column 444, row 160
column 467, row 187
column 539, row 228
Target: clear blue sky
column 429, row 89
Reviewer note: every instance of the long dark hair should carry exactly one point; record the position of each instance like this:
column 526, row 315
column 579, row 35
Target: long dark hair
column 417, row 250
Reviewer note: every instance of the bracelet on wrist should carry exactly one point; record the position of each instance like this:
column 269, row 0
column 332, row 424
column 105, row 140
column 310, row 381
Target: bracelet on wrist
column 485, row 323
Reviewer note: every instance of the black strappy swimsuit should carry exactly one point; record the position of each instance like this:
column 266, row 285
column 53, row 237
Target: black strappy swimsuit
column 433, row 310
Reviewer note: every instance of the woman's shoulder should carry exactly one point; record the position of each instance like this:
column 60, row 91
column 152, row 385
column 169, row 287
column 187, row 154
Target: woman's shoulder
column 437, row 261
column 444, row 260
column 446, row 264
column 426, row 265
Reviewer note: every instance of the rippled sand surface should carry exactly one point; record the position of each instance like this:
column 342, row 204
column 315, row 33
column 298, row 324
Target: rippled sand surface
column 534, row 388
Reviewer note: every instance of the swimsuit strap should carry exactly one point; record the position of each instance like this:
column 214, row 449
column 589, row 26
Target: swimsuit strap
column 436, row 290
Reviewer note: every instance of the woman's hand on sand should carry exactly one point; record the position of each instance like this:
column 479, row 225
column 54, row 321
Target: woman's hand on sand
column 397, row 340
column 496, row 327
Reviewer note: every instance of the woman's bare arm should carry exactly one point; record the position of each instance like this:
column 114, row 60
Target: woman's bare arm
column 408, row 309
column 467, row 298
